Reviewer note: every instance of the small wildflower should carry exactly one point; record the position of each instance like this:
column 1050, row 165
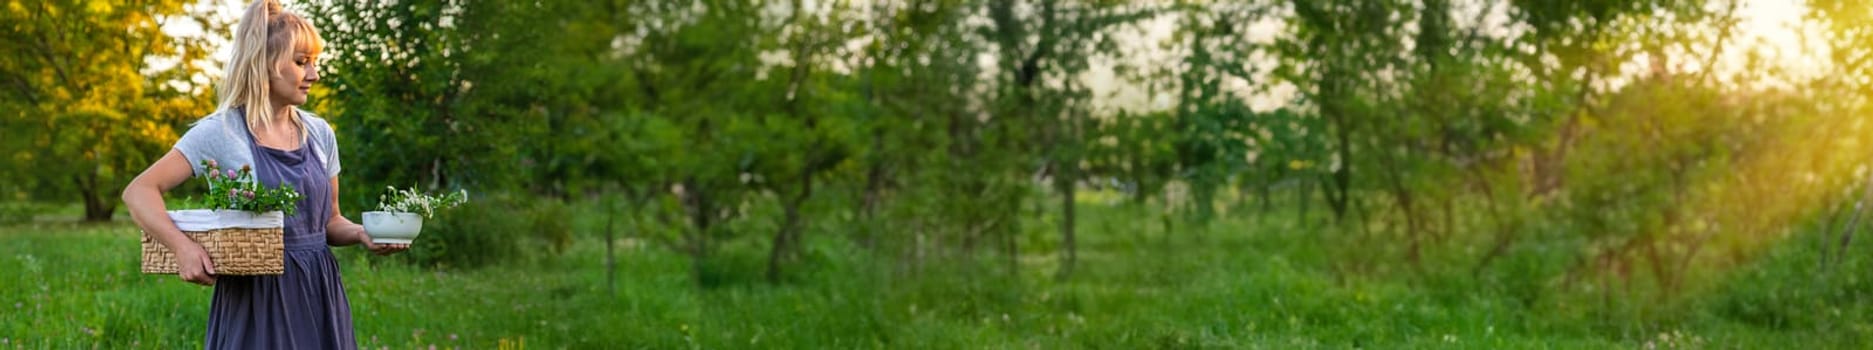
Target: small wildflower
column 243, row 192
column 412, row 201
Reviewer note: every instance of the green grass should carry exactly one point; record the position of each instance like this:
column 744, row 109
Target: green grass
column 1240, row 283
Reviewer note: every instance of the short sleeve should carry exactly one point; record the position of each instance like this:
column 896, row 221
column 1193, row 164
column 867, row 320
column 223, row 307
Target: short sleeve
column 327, row 142
column 202, row 141
column 331, row 165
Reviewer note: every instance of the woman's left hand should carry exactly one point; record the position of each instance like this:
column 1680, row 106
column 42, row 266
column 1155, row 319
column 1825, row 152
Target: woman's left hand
column 385, row 249
column 382, row 249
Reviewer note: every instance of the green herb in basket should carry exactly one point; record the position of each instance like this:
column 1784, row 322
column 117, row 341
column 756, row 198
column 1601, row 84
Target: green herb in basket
column 239, row 190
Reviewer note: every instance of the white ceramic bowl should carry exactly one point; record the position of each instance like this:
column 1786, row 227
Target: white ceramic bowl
column 392, row 227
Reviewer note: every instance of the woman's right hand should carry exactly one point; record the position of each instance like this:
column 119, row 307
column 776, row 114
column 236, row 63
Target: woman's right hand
column 193, row 265
column 144, row 199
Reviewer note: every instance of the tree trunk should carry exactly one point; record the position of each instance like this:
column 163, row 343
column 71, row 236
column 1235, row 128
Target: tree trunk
column 611, row 258
column 1337, row 191
column 1013, row 248
column 97, row 208
column 1507, row 226
column 873, row 194
column 1414, row 249
column 1305, row 198
column 1067, row 192
column 1265, row 194
column 1450, row 218
column 700, row 214
column 1403, row 197
column 787, row 237
column 782, row 243
column 1853, row 222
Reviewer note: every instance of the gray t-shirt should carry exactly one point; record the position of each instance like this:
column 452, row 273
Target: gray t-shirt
column 222, row 136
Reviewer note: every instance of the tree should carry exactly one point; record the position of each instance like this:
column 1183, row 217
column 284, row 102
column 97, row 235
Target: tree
column 1341, row 56
column 1847, row 24
column 1214, row 132
column 814, row 131
column 1042, row 102
column 422, row 87
column 84, row 109
column 925, row 170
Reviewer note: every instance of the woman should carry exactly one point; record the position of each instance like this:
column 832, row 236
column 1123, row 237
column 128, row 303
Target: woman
column 274, row 63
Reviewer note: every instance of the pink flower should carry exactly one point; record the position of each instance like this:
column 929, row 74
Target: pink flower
column 212, row 164
column 230, row 173
column 249, row 194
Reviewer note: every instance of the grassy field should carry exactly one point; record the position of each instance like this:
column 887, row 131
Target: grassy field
column 1239, row 283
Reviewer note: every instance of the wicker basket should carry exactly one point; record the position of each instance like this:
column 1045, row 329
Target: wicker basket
column 237, row 242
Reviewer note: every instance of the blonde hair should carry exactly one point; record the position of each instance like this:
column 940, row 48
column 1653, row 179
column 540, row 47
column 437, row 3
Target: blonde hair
column 266, row 32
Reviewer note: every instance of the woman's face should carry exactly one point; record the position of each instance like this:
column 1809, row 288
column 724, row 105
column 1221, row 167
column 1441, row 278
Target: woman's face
column 293, row 76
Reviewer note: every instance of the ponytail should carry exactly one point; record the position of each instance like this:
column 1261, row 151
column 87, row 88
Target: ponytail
column 266, row 31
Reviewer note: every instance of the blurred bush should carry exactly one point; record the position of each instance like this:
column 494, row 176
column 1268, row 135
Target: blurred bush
column 492, row 230
column 20, row 211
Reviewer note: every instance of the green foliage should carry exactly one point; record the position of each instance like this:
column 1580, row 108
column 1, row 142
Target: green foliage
column 239, row 190
column 427, row 97
column 1131, row 150
column 1130, row 296
column 1505, row 172
column 494, row 230
column 927, row 131
column 13, row 211
column 85, row 104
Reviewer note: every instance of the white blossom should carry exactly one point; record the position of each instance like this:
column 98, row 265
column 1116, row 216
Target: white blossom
column 411, row 201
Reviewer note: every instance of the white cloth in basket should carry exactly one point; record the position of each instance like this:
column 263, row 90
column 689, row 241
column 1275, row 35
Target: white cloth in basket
column 199, row 220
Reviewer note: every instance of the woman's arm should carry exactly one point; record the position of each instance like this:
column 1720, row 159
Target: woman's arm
column 144, row 199
column 340, row 231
